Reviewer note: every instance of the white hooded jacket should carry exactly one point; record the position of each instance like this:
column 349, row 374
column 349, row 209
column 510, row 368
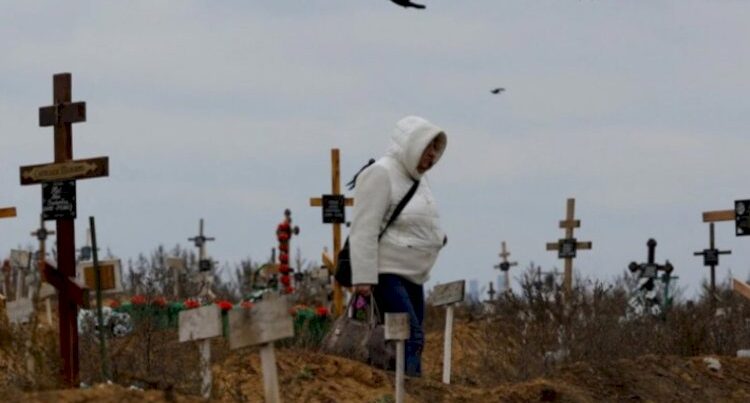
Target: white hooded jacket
column 411, row 243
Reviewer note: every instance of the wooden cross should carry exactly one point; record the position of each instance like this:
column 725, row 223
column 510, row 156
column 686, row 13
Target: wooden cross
column 711, row 258
column 338, row 295
column 492, row 292
column 740, row 215
column 505, row 265
column 204, row 264
column 58, row 187
column 41, row 235
column 566, row 248
column 7, row 212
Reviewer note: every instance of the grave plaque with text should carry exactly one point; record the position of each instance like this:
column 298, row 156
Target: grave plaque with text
column 59, row 200
column 333, row 209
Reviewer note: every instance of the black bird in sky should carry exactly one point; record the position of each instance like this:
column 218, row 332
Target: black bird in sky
column 407, row 4
column 497, row 90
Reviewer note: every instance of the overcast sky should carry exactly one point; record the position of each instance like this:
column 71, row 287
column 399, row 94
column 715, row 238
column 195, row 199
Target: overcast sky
column 227, row 110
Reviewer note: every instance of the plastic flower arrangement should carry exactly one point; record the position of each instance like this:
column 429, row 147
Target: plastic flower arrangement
column 138, row 299
column 191, row 303
column 224, row 305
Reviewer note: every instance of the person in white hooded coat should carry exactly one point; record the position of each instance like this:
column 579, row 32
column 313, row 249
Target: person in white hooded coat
column 395, row 267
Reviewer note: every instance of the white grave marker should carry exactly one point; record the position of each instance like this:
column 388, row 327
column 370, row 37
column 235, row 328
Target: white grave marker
column 266, row 322
column 397, row 328
column 448, row 294
column 202, row 323
column 20, row 310
column 176, row 265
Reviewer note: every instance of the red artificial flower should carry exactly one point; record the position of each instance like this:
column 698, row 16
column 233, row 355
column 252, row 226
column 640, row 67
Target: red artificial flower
column 246, row 304
column 284, row 268
column 288, row 290
column 283, row 258
column 282, row 236
column 321, row 311
column 138, row 299
column 284, row 247
column 224, row 305
column 286, row 281
column 114, row 303
column 159, row 301
column 191, row 303
column 283, row 227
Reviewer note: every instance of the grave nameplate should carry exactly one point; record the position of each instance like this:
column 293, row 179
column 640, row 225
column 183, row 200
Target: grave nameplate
column 204, row 265
column 742, row 217
column 175, row 263
column 59, row 200
column 396, row 326
column 200, row 323
column 20, row 310
column 710, row 257
column 110, row 275
column 333, row 209
column 267, row 321
column 450, row 293
column 566, row 248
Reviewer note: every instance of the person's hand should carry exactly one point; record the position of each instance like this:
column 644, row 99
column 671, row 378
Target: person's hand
column 363, row 289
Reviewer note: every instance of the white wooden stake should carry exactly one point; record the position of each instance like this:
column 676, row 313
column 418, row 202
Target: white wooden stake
column 400, row 371
column 270, row 374
column 447, row 344
column 205, row 349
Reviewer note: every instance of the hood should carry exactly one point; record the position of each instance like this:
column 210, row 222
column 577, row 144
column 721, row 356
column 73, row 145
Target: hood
column 412, row 135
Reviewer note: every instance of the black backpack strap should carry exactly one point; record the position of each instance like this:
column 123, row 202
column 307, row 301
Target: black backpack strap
column 353, row 182
column 400, row 207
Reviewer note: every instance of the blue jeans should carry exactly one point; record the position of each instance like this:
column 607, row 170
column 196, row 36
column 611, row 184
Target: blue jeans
column 396, row 294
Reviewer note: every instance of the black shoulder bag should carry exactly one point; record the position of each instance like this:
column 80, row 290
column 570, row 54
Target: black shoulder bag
column 343, row 273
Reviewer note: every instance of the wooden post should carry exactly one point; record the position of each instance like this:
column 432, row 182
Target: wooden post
column 397, row 328
column 58, row 189
column 334, row 212
column 448, row 295
column 205, row 267
column 266, row 322
column 505, row 265
column 566, row 247
column 202, row 324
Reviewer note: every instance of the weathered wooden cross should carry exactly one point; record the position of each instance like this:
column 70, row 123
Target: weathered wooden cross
column 45, row 289
column 566, row 247
column 740, row 215
column 333, row 206
column 397, row 328
column 711, row 258
column 58, row 203
column 505, row 265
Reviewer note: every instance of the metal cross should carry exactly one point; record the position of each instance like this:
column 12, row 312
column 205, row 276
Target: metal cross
column 204, row 264
column 566, row 247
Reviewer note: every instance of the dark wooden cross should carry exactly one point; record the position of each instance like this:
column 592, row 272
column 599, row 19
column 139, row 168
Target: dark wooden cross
column 505, row 265
column 204, row 264
column 491, row 292
column 338, row 295
column 63, row 173
column 711, row 258
column 566, row 247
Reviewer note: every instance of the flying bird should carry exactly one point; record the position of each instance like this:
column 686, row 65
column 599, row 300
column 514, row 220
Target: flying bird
column 497, row 90
column 407, row 4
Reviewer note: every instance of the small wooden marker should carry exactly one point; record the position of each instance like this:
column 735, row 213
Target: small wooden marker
column 397, row 328
column 202, row 324
column 448, row 295
column 333, row 206
column 566, row 247
column 266, row 322
column 176, row 265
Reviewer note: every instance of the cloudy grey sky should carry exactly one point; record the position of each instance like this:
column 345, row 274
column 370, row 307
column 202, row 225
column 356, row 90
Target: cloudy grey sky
column 227, row 110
